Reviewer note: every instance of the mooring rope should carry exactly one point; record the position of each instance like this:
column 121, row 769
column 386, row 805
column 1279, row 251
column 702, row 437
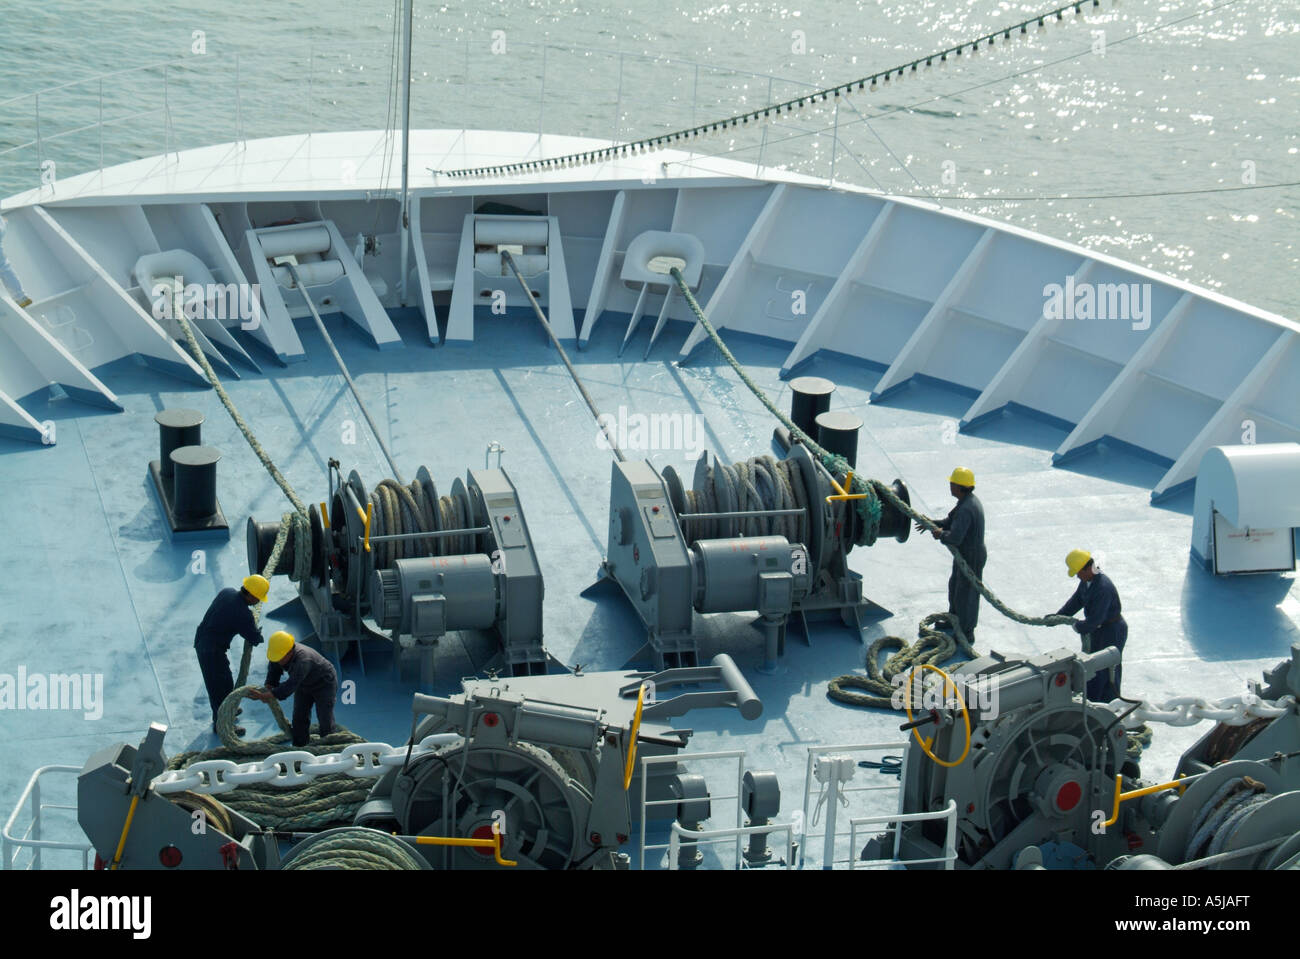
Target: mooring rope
column 932, row 646
column 325, row 801
column 314, row 805
column 356, row 848
column 868, row 508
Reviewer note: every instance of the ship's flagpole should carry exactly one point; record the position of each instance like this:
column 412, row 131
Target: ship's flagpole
column 405, row 225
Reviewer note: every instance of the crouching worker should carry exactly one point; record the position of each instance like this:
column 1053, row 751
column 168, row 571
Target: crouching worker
column 1102, row 625
column 310, row 681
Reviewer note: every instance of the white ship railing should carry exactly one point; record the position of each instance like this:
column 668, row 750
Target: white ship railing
column 198, row 100
column 833, row 832
column 708, row 836
column 949, row 857
column 731, row 755
column 12, row 845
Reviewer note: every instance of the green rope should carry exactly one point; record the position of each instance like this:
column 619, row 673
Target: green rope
column 356, row 848
column 326, row 801
column 295, row 522
column 933, row 647
column 226, row 401
column 313, row 805
column 874, row 490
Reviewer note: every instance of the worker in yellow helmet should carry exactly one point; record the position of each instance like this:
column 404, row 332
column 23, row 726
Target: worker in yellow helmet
column 1102, row 625
column 963, row 530
column 311, row 681
column 230, row 615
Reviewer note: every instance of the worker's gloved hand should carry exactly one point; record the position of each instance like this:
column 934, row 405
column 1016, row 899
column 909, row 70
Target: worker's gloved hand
column 1078, row 626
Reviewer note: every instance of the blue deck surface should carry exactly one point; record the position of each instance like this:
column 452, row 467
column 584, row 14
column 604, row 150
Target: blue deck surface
column 93, row 585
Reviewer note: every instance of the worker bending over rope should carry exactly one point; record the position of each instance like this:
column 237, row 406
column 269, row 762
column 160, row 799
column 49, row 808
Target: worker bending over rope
column 1102, row 625
column 311, row 682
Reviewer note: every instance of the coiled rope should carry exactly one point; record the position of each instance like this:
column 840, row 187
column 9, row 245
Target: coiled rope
column 1219, row 818
column 354, row 848
column 408, row 509
column 761, row 483
column 325, row 801
column 933, row 647
column 931, row 644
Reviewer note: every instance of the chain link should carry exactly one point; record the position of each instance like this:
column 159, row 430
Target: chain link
column 294, row 767
column 370, row 760
column 1190, row 710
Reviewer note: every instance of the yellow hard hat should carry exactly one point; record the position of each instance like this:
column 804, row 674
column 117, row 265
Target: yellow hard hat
column 258, row 586
column 278, row 646
column 1076, row 561
column 962, row 477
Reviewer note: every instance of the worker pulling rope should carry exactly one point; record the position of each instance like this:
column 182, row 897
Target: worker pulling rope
column 316, row 804
column 933, row 646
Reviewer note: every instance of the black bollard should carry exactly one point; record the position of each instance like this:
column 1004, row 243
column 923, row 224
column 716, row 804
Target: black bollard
column 837, row 432
column 176, row 428
column 194, row 487
column 811, row 397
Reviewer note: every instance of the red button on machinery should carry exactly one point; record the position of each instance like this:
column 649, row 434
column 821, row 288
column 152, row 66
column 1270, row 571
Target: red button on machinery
column 170, row 856
column 1068, row 796
column 483, row 832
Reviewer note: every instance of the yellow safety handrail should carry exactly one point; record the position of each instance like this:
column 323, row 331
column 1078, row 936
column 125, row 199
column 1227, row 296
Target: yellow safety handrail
column 494, row 843
column 126, row 828
column 965, row 715
column 842, row 492
column 632, row 734
column 1180, row 784
column 366, row 518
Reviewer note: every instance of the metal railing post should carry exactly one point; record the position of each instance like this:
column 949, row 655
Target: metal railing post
column 618, row 106
column 835, row 141
column 465, row 94
column 167, row 117
column 695, row 94
column 101, row 130
column 239, row 107
column 950, row 838
column 762, row 146
column 311, row 86
column 40, row 153
column 541, row 105
column 36, row 823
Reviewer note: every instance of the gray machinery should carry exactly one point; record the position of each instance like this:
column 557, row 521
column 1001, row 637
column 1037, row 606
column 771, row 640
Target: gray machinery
column 113, row 790
column 1038, row 786
column 549, row 755
column 757, row 535
column 402, row 564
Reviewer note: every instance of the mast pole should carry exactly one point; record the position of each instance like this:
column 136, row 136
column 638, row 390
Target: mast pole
column 405, row 225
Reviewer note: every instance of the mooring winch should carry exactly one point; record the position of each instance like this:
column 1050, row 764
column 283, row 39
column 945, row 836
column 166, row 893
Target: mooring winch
column 553, row 764
column 402, row 564
column 767, row 535
column 1045, row 780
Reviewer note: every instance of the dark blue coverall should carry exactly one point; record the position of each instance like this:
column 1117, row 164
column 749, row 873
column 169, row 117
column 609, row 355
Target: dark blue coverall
column 311, row 681
column 228, row 616
column 1101, row 626
column 963, row 529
